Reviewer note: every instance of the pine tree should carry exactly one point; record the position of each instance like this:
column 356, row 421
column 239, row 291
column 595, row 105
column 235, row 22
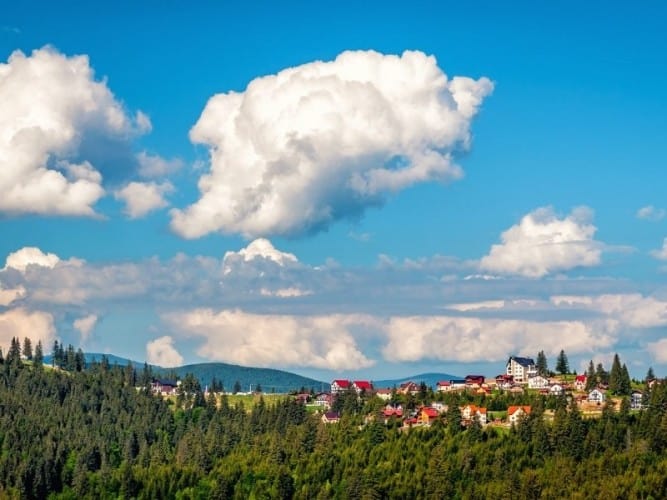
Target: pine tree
column 542, row 366
column 615, row 376
column 562, row 365
column 38, row 359
column 626, row 383
column 650, row 375
column 237, row 387
column 27, row 348
column 601, row 374
column 591, row 378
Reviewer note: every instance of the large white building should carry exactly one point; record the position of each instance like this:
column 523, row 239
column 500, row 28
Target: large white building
column 521, row 368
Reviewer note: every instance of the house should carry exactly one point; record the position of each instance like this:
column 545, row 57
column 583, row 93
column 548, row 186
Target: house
column 428, row 415
column 474, row 381
column 302, row 398
column 362, row 386
column 469, row 412
column 516, row 413
column 637, row 400
column 164, row 387
column 521, row 368
column 338, row 386
column 323, row 399
column 331, row 417
column 504, row 381
column 457, row 384
column 392, row 411
column 441, row 407
column 596, row 396
column 538, row 382
column 384, row 394
column 443, row 386
column 408, row 388
column 580, row 382
column 556, row 390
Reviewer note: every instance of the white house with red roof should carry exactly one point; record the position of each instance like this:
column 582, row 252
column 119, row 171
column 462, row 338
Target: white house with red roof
column 443, row 386
column 469, row 412
column 362, row 386
column 580, row 382
column 516, row 413
column 340, row 385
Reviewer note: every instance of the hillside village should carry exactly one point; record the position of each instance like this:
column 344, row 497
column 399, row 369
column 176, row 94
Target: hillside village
column 414, row 404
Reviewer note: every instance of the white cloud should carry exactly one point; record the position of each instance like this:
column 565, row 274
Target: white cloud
column 658, row 350
column 21, row 323
column 85, row 326
column 543, row 243
column 143, row 197
column 162, row 352
column 156, row 166
column 651, row 213
column 262, row 248
column 661, row 253
column 235, row 336
column 10, row 295
column 317, row 143
column 475, row 306
column 51, row 107
column 285, row 292
column 30, row 256
column 462, row 339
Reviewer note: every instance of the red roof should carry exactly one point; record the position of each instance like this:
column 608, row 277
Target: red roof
column 363, row 385
column 513, row 409
column 581, row 378
column 443, row 383
column 430, row 412
column 341, row 383
column 475, row 409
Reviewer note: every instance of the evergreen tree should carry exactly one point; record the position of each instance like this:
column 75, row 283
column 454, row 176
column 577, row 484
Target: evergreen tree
column 27, row 348
column 38, row 359
column 650, row 375
column 601, row 374
column 454, row 418
column 591, row 377
column 626, row 383
column 14, row 354
column 616, row 376
column 237, row 387
column 541, row 364
column 562, row 365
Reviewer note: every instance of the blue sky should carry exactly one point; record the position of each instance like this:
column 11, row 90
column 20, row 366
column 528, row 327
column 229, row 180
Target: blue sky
column 361, row 213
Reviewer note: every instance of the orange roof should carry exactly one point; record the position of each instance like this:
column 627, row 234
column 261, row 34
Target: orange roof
column 513, row 409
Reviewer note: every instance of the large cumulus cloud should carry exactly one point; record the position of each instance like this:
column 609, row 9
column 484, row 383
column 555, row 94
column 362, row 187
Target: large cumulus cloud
column 53, row 111
column 323, row 141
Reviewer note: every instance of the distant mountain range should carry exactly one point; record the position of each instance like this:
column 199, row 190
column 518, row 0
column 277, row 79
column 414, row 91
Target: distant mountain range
column 271, row 380
column 430, row 379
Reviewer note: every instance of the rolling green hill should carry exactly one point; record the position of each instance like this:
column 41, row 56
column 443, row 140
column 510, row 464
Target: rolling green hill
column 270, row 380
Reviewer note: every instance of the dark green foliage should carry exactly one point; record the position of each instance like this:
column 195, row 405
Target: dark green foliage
column 541, row 364
column 591, row 377
column 562, row 364
column 90, row 433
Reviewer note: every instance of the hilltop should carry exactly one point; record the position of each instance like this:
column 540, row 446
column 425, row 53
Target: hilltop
column 271, row 380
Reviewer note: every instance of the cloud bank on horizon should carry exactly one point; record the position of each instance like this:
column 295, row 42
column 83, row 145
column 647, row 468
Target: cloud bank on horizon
column 324, row 141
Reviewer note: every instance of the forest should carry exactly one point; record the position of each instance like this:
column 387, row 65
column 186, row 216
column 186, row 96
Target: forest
column 96, row 431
